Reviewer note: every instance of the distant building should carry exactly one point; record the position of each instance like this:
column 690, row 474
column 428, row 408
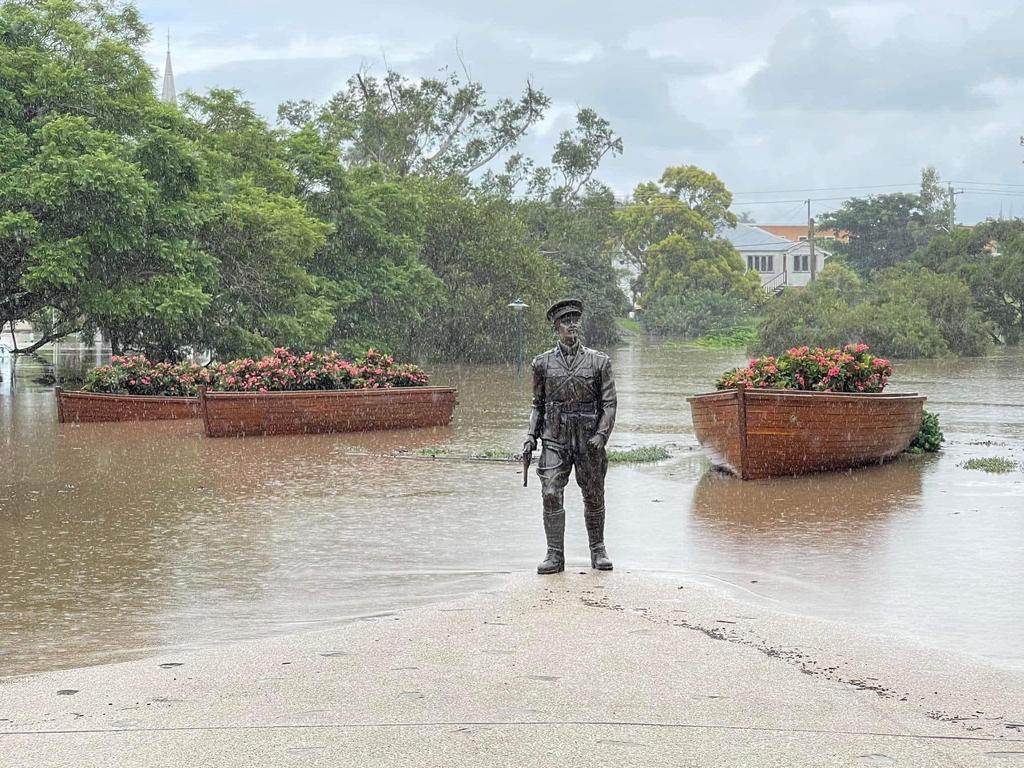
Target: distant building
column 779, row 262
column 798, row 232
column 169, row 95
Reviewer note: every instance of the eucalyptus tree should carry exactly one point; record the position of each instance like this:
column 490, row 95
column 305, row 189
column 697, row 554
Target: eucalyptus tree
column 420, row 126
column 433, row 234
column 571, row 216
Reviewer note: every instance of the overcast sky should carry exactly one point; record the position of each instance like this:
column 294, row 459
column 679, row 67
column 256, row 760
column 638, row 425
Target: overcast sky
column 770, row 95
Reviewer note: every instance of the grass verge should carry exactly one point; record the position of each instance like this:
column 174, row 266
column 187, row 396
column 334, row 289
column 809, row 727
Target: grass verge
column 737, row 338
column 628, row 325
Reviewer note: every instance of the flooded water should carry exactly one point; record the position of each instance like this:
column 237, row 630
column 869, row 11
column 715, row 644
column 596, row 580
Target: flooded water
column 118, row 540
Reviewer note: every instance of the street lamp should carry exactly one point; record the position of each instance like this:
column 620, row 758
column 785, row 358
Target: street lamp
column 517, row 306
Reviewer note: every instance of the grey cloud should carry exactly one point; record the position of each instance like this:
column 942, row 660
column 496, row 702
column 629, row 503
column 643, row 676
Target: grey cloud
column 626, row 87
column 555, row 17
column 832, row 106
column 814, row 65
column 267, row 83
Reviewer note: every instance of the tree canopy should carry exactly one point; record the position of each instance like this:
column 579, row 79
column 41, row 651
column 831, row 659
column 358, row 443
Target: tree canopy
column 431, row 126
column 905, row 311
column 886, row 230
column 989, row 259
column 669, row 235
column 398, row 214
column 402, row 213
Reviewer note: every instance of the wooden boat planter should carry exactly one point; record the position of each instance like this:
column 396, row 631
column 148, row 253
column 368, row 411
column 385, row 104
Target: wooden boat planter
column 96, row 406
column 758, row 433
column 237, row 414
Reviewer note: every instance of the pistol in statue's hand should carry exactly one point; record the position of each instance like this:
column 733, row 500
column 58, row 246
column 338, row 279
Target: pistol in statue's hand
column 527, row 457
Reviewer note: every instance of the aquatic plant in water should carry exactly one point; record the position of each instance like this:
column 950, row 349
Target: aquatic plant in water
column 432, row 451
column 995, row 465
column 493, row 453
column 638, row 455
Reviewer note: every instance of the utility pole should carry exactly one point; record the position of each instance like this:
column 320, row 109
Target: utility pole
column 810, row 239
column 952, row 209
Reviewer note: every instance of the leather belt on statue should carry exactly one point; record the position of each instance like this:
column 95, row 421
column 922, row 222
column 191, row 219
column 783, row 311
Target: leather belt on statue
column 564, row 408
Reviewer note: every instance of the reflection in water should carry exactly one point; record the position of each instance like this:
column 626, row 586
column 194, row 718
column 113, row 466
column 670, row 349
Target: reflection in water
column 116, row 539
column 852, row 501
column 812, row 541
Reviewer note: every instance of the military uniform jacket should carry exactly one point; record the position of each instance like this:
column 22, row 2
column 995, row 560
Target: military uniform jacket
column 562, row 389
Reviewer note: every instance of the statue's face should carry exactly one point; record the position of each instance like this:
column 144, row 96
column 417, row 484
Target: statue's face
column 568, row 328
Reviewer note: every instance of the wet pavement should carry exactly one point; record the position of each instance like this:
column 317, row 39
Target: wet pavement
column 121, row 540
column 581, row 669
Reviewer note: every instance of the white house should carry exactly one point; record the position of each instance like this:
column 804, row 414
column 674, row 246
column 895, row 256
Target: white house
column 779, row 262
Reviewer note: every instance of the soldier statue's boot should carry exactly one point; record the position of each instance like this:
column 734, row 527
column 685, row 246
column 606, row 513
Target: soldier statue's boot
column 595, row 532
column 554, row 529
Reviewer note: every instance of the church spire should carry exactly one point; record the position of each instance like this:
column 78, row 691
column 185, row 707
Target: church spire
column 169, row 95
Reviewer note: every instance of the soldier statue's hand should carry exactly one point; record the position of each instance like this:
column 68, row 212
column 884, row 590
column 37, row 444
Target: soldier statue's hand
column 597, row 441
column 529, row 445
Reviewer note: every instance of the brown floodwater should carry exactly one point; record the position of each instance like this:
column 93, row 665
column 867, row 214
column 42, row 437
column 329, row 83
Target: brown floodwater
column 119, row 540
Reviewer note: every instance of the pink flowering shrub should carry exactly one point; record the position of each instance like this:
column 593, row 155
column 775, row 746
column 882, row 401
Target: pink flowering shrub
column 281, row 371
column 135, row 375
column 850, row 369
column 285, row 372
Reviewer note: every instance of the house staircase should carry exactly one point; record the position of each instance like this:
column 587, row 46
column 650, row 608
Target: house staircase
column 776, row 285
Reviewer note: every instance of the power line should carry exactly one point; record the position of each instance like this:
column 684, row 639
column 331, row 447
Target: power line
column 986, row 183
column 790, row 213
column 794, row 200
column 995, row 193
column 1001, row 192
column 829, row 189
column 871, row 186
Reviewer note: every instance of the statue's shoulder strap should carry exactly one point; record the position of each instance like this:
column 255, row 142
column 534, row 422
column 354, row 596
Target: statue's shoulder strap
column 542, row 358
column 598, row 357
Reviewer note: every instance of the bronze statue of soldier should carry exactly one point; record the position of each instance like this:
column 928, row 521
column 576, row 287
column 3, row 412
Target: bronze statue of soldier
column 573, row 414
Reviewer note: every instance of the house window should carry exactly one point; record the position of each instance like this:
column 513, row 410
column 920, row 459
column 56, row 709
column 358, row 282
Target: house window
column 761, row 262
column 801, row 262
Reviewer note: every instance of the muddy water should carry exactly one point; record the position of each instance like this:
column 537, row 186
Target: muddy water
column 122, row 539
